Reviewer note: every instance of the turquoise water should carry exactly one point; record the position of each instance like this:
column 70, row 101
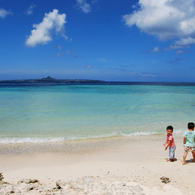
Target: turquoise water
column 37, row 114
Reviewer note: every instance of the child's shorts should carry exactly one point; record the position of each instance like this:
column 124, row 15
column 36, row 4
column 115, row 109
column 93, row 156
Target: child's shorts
column 189, row 149
column 172, row 152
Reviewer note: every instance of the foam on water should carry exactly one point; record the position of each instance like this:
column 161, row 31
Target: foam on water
column 37, row 140
column 179, row 131
column 114, row 134
column 139, row 134
column 30, row 140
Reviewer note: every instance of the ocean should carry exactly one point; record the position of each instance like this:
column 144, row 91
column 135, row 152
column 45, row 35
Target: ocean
column 38, row 114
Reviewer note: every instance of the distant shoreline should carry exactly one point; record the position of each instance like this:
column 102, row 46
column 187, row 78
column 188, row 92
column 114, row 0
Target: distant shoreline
column 50, row 80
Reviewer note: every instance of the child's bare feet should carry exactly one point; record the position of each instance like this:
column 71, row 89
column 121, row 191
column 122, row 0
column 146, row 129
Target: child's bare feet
column 184, row 163
column 170, row 160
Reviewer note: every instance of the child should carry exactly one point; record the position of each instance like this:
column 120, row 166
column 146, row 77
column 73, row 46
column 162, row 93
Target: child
column 170, row 143
column 188, row 142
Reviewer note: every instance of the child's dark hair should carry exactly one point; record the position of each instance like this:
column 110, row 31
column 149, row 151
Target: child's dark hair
column 190, row 125
column 170, row 127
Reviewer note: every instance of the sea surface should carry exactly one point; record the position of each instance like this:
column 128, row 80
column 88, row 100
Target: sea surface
column 63, row 113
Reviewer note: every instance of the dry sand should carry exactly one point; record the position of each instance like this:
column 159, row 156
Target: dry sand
column 131, row 165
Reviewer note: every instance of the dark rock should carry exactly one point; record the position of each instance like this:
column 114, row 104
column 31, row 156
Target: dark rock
column 28, row 181
column 1, row 176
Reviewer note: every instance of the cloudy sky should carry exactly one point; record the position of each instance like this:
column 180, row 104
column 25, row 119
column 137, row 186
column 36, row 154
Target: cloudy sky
column 112, row 40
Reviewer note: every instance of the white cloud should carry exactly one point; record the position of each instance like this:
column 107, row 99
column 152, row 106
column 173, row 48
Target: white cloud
column 4, row 13
column 156, row 49
column 186, row 41
column 87, row 66
column 30, row 9
column 148, row 75
column 84, row 6
column 42, row 34
column 166, row 19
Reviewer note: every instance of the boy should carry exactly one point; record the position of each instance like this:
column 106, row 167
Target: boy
column 170, row 143
column 188, row 142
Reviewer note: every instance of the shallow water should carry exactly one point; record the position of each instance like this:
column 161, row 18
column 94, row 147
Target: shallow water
column 42, row 114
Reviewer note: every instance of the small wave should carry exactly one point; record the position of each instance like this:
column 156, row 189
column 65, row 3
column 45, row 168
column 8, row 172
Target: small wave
column 179, row 131
column 30, row 140
column 74, row 138
column 139, row 134
column 114, row 134
column 52, row 140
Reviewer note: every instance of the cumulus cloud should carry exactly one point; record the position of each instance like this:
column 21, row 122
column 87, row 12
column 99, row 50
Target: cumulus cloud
column 84, row 6
column 166, row 19
column 156, row 49
column 30, row 9
column 4, row 13
column 42, row 34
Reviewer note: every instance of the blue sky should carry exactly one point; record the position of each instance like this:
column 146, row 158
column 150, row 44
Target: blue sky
column 112, row 40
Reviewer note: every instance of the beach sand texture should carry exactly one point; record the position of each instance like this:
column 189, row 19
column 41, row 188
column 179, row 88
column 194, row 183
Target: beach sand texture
column 128, row 166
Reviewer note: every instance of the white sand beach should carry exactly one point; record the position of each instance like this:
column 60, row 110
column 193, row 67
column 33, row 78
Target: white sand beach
column 131, row 166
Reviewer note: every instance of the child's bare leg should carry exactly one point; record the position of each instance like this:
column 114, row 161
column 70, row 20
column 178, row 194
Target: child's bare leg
column 184, row 157
column 193, row 154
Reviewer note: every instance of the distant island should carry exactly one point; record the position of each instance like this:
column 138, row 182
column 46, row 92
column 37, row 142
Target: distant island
column 52, row 80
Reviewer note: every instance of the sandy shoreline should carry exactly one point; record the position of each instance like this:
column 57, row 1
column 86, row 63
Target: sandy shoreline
column 140, row 160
